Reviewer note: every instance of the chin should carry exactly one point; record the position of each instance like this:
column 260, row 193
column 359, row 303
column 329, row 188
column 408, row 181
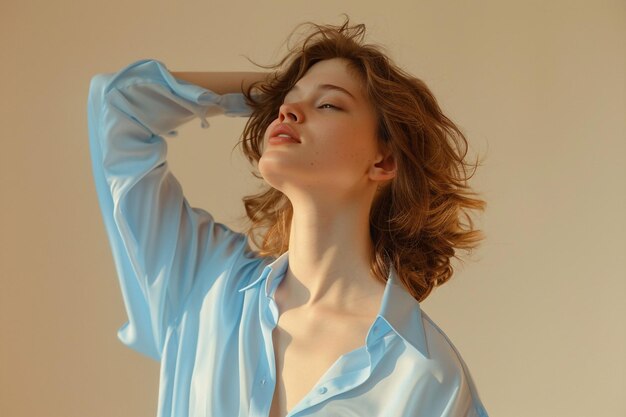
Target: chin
column 270, row 174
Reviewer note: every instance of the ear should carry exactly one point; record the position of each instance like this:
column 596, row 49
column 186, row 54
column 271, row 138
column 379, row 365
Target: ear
column 384, row 167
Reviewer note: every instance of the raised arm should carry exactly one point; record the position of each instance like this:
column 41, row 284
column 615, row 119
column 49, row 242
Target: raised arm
column 163, row 248
column 221, row 82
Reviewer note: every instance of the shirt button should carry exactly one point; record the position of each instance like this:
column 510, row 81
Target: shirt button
column 322, row 390
column 262, row 382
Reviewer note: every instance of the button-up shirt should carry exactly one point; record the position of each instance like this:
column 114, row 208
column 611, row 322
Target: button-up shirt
column 201, row 301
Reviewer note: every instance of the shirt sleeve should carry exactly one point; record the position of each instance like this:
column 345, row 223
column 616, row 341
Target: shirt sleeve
column 158, row 241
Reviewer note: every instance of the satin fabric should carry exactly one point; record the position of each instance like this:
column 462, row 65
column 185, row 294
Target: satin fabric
column 200, row 301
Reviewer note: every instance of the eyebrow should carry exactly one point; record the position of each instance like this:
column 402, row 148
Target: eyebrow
column 327, row 87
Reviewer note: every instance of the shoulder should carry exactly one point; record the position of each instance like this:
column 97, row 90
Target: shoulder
column 440, row 347
column 453, row 372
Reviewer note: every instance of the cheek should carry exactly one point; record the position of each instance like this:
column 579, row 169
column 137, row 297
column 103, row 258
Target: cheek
column 350, row 150
column 268, row 129
column 266, row 137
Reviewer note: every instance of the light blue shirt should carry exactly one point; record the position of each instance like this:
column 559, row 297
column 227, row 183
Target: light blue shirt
column 200, row 301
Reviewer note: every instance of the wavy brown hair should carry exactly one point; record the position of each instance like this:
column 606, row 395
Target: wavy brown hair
column 416, row 218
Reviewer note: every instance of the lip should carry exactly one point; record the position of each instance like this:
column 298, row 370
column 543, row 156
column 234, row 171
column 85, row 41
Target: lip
column 286, row 129
column 277, row 140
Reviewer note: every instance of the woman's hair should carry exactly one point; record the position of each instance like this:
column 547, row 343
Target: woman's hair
column 416, row 218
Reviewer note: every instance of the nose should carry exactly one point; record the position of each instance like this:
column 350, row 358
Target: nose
column 288, row 111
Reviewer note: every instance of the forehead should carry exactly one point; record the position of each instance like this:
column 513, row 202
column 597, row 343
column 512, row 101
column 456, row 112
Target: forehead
column 332, row 71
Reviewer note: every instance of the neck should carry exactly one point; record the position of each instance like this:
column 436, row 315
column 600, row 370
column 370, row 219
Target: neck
column 330, row 256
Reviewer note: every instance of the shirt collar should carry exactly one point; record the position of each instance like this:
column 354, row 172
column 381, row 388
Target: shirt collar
column 398, row 307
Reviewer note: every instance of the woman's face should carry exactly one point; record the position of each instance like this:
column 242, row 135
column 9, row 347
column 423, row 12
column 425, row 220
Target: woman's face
column 337, row 133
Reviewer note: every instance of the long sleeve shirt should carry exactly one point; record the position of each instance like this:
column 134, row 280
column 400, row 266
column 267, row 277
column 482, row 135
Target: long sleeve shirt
column 201, row 302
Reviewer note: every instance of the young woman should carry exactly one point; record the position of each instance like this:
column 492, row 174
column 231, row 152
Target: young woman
column 366, row 192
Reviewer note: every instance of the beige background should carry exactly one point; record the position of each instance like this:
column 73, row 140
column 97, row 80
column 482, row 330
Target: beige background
column 538, row 313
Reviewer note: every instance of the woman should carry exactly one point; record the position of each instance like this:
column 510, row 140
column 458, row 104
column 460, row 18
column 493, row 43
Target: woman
column 366, row 190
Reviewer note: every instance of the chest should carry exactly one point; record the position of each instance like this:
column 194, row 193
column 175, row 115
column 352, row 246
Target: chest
column 305, row 347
